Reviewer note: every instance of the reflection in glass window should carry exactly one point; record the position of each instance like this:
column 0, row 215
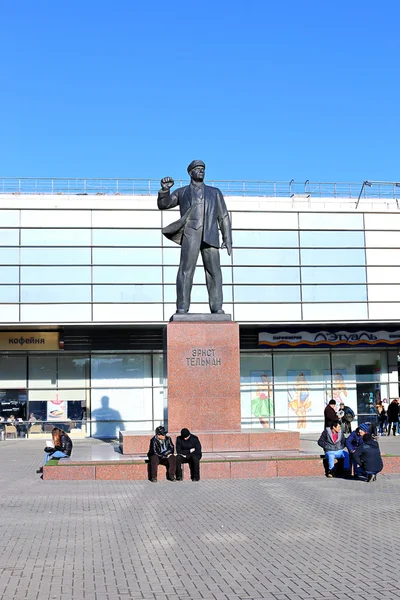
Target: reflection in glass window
column 126, row 237
column 333, row 275
column 9, row 293
column 55, row 237
column 266, row 257
column 42, row 371
column 55, row 274
column 73, row 371
column 127, row 275
column 334, row 293
column 127, row 293
column 127, row 256
column 111, row 407
column 9, row 237
column 332, row 239
column 266, row 274
column 267, row 293
column 330, row 221
column 332, row 257
column 55, row 293
column 266, row 239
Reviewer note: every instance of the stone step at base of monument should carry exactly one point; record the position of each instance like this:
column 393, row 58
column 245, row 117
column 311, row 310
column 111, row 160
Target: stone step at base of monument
column 228, row 467
column 254, row 440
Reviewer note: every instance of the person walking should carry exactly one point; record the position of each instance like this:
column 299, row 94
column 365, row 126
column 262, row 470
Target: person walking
column 393, row 415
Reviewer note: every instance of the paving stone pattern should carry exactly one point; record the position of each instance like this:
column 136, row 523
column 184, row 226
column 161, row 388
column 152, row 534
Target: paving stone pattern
column 274, row 539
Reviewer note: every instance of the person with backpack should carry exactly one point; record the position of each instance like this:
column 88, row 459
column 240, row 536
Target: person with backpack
column 347, row 417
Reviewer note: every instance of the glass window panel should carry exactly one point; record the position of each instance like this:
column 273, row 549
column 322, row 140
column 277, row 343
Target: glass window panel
column 55, row 256
column 13, row 371
column 42, row 372
column 267, row 239
column 266, row 257
column 333, row 275
column 55, row 293
column 9, row 256
column 159, row 407
column 9, row 237
column 127, row 218
column 9, row 313
column 332, row 257
column 127, row 275
column 9, row 274
column 121, row 313
column 332, row 239
column 356, row 377
column 170, row 274
column 110, row 407
column 121, row 370
column 266, row 275
column 384, row 310
column 158, row 369
column 264, row 220
column 55, row 274
column 127, row 293
column 264, row 293
column 9, row 293
column 383, row 274
column 382, row 239
column 9, row 218
column 301, row 380
column 127, row 256
column 73, row 372
column 55, row 237
column 267, row 312
column 335, row 312
column 127, row 237
column 330, row 221
column 376, row 221
column 383, row 293
column 334, row 293
column 384, row 257
column 48, row 313
column 251, row 365
column 56, row 218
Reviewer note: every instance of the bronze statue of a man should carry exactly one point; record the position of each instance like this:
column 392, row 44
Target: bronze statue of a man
column 203, row 210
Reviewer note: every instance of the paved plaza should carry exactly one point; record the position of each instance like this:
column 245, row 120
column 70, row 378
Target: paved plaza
column 281, row 539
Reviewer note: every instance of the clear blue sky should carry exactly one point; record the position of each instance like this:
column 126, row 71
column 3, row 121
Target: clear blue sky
column 258, row 89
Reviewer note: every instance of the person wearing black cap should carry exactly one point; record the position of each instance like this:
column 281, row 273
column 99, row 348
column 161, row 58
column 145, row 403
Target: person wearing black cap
column 368, row 457
column 203, row 211
column 161, row 452
column 188, row 449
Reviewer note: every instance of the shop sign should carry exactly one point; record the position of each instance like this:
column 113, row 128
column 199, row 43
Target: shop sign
column 29, row 340
column 307, row 339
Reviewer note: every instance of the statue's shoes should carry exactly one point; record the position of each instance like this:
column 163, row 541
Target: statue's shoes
column 218, row 312
column 181, row 311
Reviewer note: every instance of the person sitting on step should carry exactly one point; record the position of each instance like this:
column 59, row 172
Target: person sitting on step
column 188, row 450
column 332, row 440
column 161, row 452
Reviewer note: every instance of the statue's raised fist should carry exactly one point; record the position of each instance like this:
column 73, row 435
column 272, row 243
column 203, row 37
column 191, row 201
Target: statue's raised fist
column 167, row 183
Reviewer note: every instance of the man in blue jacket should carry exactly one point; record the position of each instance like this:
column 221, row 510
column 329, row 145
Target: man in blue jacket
column 332, row 440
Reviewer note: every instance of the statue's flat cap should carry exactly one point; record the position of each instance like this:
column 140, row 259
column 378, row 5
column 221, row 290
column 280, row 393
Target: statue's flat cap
column 195, row 163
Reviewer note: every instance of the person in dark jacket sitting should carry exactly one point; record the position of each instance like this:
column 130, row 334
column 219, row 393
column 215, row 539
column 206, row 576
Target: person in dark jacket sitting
column 368, row 456
column 332, row 440
column 354, row 441
column 161, row 452
column 62, row 447
column 188, row 450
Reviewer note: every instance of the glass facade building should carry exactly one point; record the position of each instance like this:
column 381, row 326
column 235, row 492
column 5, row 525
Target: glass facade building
column 97, row 270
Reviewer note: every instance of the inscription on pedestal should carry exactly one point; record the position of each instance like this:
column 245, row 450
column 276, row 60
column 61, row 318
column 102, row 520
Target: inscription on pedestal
column 203, row 357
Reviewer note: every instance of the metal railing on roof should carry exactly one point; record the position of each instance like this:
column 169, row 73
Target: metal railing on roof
column 385, row 190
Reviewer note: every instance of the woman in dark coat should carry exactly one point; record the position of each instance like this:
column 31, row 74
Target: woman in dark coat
column 393, row 415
